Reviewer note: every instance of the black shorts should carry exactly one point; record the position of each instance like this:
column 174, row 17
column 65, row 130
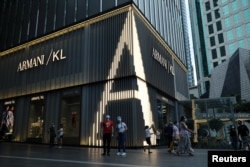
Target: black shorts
column 148, row 140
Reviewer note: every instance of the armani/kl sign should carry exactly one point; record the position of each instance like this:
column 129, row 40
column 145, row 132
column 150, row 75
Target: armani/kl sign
column 164, row 62
column 40, row 60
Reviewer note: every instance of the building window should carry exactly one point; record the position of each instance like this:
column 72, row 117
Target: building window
column 215, row 3
column 231, row 48
column 246, row 14
column 225, row 10
column 212, row 41
column 218, row 25
column 237, row 18
column 214, row 54
column 209, row 17
column 245, row 3
column 207, row 5
column 220, row 38
column 217, row 13
column 230, row 35
column 223, row 1
column 235, row 6
column 210, row 29
column 239, row 32
column 248, row 28
column 228, row 22
column 215, row 64
column 222, row 51
column 241, row 44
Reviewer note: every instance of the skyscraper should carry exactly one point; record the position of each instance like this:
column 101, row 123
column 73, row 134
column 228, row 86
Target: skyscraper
column 72, row 62
column 219, row 27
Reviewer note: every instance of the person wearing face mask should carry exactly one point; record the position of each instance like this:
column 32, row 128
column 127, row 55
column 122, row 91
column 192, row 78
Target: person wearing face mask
column 184, row 145
column 108, row 131
column 121, row 128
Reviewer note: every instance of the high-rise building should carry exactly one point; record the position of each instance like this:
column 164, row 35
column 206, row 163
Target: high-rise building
column 72, row 62
column 219, row 27
column 191, row 80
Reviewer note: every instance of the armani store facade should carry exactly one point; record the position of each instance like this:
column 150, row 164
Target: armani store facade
column 114, row 64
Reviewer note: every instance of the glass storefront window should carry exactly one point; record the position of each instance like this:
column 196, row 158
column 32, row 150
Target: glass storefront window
column 70, row 114
column 165, row 115
column 36, row 117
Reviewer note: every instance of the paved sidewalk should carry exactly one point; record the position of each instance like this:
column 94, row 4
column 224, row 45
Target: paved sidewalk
column 29, row 155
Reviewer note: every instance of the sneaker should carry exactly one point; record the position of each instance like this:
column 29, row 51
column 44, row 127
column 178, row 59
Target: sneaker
column 103, row 154
column 123, row 154
column 149, row 152
column 118, row 153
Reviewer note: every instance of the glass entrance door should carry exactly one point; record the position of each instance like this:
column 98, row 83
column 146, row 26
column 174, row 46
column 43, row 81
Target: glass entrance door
column 36, row 119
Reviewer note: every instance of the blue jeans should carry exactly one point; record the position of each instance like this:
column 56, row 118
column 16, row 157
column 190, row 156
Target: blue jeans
column 121, row 142
column 244, row 140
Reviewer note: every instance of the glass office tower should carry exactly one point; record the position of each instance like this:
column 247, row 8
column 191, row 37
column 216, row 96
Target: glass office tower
column 221, row 27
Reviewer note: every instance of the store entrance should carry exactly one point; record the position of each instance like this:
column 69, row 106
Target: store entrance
column 70, row 119
column 36, row 120
column 165, row 115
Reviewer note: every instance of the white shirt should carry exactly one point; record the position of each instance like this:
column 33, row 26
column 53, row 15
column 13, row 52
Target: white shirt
column 175, row 131
column 147, row 133
column 121, row 127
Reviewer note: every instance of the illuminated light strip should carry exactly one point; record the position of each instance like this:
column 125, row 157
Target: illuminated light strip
column 73, row 161
column 142, row 94
column 124, row 38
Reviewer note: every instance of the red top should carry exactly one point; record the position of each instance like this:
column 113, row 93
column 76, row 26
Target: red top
column 107, row 126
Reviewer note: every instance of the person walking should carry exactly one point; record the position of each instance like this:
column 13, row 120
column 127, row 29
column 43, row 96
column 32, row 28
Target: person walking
column 169, row 134
column 121, row 129
column 52, row 135
column 176, row 137
column 184, row 145
column 234, row 137
column 243, row 133
column 148, row 138
column 60, row 136
column 158, row 137
column 107, row 133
